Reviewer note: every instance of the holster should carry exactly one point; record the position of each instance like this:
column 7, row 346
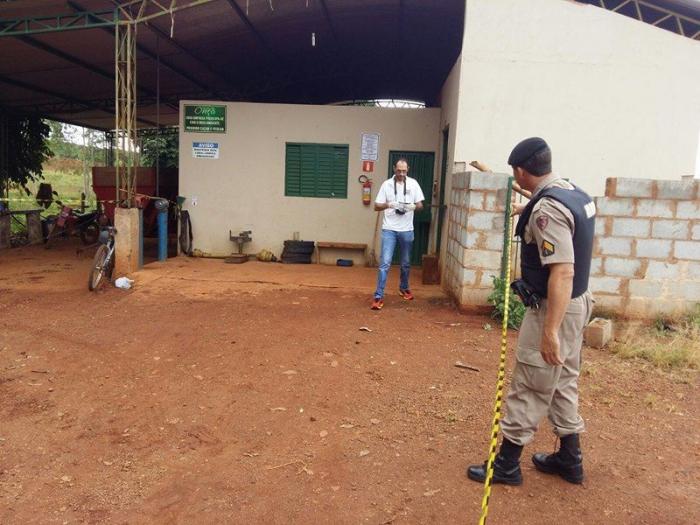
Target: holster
column 527, row 294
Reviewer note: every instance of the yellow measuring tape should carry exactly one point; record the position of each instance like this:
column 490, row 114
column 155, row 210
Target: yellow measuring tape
column 499, row 384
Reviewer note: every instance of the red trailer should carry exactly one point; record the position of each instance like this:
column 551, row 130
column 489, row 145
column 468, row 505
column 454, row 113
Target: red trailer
column 104, row 185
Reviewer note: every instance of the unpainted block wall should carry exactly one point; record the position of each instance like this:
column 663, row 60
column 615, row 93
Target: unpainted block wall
column 475, row 236
column 646, row 259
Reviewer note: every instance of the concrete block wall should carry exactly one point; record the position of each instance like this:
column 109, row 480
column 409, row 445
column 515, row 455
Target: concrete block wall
column 476, row 214
column 646, row 259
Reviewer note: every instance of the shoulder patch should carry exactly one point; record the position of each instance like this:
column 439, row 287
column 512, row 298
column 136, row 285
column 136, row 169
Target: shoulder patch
column 590, row 209
column 547, row 248
column 542, row 221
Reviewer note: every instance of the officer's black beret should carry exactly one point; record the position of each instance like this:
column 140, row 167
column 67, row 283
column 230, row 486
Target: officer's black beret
column 526, row 149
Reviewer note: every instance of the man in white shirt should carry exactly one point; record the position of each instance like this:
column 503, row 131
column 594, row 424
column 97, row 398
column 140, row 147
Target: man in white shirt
column 399, row 197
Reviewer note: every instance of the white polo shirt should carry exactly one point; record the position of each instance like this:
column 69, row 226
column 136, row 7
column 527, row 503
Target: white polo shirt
column 390, row 192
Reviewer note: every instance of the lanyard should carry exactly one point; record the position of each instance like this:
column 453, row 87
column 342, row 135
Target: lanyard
column 404, row 189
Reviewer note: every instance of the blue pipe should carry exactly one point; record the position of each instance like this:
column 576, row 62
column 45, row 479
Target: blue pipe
column 163, row 234
column 140, row 238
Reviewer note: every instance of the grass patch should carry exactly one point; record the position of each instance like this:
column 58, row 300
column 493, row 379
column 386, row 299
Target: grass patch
column 66, row 180
column 668, row 343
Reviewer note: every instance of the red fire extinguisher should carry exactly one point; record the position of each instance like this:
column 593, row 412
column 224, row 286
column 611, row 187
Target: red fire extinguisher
column 366, row 189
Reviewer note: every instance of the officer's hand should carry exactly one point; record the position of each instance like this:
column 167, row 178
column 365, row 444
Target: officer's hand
column 393, row 205
column 410, row 207
column 516, row 208
column 550, row 349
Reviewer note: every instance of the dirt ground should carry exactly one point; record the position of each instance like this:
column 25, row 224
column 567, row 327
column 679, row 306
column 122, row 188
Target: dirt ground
column 215, row 393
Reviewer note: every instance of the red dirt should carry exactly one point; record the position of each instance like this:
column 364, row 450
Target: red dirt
column 215, row 393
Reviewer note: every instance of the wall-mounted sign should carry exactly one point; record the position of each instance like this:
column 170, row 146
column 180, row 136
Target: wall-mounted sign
column 370, row 146
column 368, row 166
column 205, row 118
column 205, row 150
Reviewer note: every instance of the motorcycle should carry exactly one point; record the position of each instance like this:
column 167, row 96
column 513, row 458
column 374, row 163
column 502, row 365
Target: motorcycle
column 69, row 222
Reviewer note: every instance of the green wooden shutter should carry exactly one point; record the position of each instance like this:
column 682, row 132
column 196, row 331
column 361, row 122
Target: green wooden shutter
column 316, row 170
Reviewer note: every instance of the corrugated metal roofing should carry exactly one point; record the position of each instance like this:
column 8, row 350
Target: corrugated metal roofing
column 262, row 51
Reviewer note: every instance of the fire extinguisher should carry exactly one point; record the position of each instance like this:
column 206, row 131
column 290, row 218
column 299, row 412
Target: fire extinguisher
column 366, row 189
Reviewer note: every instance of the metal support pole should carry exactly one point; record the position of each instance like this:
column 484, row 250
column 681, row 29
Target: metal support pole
column 4, row 156
column 125, row 112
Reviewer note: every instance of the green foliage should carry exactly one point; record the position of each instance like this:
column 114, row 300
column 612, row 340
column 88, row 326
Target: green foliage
column 27, row 150
column 516, row 309
column 160, row 147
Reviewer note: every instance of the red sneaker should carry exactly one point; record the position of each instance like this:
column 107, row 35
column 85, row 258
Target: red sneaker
column 377, row 303
column 406, row 294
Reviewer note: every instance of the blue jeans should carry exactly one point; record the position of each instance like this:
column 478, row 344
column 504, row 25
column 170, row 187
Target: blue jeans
column 389, row 239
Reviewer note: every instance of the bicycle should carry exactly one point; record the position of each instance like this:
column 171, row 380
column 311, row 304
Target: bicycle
column 103, row 263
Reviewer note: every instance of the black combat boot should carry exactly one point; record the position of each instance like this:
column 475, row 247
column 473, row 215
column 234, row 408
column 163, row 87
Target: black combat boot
column 506, row 466
column 567, row 461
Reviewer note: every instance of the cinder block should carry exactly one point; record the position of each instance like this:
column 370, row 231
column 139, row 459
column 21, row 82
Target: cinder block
column 687, row 250
column 655, row 208
column 599, row 226
column 610, row 206
column 646, row 288
column 615, row 246
column 654, row 248
column 466, row 276
column 609, row 285
column 686, row 290
column 662, row 229
column 481, row 259
column 613, row 303
column 476, row 200
column 676, row 189
column 631, row 227
column 482, row 220
column 622, row 267
column 496, row 201
column 478, row 180
column 688, row 210
column 494, row 241
column 662, row 270
column 695, row 234
column 487, row 276
column 596, row 265
column 598, row 333
column 692, row 270
column 499, row 222
column 471, row 296
column 634, row 188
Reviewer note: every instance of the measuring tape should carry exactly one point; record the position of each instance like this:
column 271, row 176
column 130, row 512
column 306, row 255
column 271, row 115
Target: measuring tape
column 499, row 383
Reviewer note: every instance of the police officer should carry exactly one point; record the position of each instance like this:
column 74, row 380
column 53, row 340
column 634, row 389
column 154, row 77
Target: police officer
column 556, row 229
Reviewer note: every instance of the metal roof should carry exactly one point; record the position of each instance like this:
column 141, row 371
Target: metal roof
column 290, row 51
column 679, row 16
column 286, row 51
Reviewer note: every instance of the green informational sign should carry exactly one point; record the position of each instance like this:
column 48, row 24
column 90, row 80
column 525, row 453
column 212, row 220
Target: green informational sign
column 205, row 118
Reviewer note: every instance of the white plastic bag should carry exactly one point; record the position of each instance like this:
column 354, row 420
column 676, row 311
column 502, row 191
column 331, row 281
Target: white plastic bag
column 124, row 283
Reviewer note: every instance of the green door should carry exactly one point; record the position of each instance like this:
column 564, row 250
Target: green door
column 420, row 167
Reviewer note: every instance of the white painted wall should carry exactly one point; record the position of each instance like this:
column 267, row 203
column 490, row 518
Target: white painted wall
column 613, row 96
column 449, row 105
column 244, row 188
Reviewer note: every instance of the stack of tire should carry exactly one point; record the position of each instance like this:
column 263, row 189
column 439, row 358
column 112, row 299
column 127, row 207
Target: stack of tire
column 297, row 252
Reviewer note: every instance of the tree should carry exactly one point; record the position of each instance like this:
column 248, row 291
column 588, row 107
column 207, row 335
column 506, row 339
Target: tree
column 160, row 147
column 27, row 150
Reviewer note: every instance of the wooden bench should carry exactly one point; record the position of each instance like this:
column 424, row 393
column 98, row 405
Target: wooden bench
column 339, row 246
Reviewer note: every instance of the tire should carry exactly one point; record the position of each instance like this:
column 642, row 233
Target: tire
column 100, row 268
column 90, row 233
